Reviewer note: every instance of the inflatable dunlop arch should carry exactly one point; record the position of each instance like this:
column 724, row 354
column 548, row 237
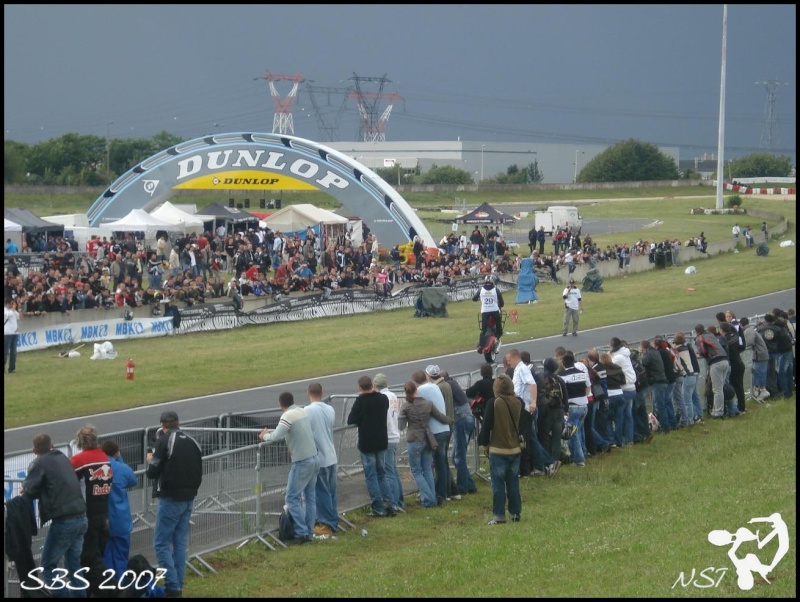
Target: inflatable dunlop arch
column 268, row 163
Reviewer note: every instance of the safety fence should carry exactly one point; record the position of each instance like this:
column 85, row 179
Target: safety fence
column 244, row 481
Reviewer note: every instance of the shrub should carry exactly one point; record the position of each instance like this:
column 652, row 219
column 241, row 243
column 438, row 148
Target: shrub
column 734, row 201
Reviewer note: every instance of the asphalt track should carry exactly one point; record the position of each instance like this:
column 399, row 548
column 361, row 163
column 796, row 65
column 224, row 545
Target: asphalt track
column 62, row 431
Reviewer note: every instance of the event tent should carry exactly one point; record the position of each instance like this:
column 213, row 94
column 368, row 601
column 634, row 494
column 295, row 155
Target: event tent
column 138, row 220
column 230, row 216
column 11, row 226
column 293, row 218
column 31, row 222
column 13, row 232
column 187, row 222
column 486, row 214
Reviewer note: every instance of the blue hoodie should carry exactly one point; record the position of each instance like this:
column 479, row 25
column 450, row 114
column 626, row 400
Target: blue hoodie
column 120, row 523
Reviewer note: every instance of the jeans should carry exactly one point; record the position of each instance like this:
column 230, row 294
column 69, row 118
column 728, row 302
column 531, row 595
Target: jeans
column 10, row 351
column 577, row 443
column 441, row 471
column 171, row 539
column 325, row 493
column 599, row 439
column 552, row 427
column 464, row 430
column 392, row 477
column 64, row 540
column 663, row 414
column 616, row 409
column 784, row 373
column 688, row 393
column 760, row 374
column 504, row 471
column 641, row 422
column 420, row 459
column 717, row 372
column 540, row 456
column 301, row 495
column 377, row 484
column 627, row 416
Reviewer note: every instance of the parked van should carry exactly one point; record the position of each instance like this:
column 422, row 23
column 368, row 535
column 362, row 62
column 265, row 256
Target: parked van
column 558, row 216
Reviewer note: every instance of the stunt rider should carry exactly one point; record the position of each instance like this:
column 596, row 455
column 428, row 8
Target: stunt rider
column 491, row 302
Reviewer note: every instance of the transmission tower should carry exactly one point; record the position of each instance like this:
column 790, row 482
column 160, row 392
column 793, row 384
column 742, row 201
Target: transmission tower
column 283, row 122
column 372, row 126
column 770, row 116
column 327, row 130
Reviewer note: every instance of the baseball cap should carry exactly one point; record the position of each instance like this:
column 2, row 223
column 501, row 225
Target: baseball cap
column 169, row 416
column 572, row 281
column 432, row 370
column 380, row 380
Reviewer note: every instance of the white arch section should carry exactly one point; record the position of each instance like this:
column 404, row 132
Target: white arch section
column 265, row 163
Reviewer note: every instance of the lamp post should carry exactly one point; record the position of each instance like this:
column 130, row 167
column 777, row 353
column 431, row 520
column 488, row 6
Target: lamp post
column 730, row 170
column 482, row 145
column 575, row 177
column 108, row 151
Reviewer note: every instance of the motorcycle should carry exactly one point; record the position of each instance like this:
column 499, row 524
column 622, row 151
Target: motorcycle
column 489, row 342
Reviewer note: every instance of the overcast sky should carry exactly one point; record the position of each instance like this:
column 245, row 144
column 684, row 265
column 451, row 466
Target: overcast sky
column 532, row 73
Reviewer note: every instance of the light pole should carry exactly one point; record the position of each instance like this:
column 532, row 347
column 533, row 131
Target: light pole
column 575, row 177
column 482, row 145
column 730, row 170
column 108, row 151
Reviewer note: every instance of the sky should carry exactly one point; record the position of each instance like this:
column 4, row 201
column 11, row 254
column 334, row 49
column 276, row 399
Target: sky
column 479, row 73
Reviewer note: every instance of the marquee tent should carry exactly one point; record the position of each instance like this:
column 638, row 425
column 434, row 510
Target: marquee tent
column 231, row 217
column 12, row 226
column 31, row 222
column 299, row 217
column 187, row 222
column 486, row 214
column 138, row 220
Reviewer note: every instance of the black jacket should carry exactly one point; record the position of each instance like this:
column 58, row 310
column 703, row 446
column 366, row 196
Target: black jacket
column 178, row 465
column 20, row 529
column 51, row 480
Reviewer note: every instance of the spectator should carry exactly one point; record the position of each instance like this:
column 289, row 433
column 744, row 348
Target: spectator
column 415, row 414
column 690, row 409
column 464, row 429
column 51, row 480
column 323, row 417
column 710, row 349
column 759, row 355
column 120, row 522
column 441, row 432
column 92, row 466
column 500, row 440
column 11, row 320
column 393, row 436
column 578, row 389
column 369, row 415
column 176, row 464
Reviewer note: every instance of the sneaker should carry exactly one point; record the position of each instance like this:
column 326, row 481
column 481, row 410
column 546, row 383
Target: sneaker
column 538, row 473
column 390, row 511
column 563, row 334
column 574, row 334
column 494, row 521
column 323, row 530
column 456, row 497
column 580, row 464
column 553, row 468
column 515, row 518
column 764, row 394
column 374, row 514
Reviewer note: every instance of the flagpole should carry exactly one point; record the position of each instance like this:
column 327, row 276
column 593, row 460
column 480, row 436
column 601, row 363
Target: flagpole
column 721, row 141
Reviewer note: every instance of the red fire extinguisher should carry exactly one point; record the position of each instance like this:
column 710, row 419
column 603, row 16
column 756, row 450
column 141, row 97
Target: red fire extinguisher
column 129, row 369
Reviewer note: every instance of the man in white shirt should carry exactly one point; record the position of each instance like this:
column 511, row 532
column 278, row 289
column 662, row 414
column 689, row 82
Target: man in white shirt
column 390, row 457
column 10, row 334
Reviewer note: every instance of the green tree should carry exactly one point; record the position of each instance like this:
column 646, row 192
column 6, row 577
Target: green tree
column 759, row 165
column 15, row 162
column 446, row 174
column 629, row 161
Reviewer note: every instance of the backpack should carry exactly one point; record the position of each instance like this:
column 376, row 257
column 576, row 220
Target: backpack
column 285, row 526
column 641, row 374
column 554, row 391
column 708, row 347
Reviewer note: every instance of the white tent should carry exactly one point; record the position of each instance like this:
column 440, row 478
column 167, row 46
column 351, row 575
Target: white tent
column 187, row 222
column 71, row 220
column 299, row 217
column 138, row 220
column 11, row 226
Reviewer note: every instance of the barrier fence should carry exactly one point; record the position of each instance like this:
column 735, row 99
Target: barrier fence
column 244, row 481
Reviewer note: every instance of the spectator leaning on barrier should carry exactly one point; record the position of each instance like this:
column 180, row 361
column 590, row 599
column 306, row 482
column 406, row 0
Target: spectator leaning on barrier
column 323, row 417
column 393, row 437
column 51, row 480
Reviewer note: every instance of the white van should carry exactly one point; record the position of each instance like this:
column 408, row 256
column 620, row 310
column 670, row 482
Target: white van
column 557, row 216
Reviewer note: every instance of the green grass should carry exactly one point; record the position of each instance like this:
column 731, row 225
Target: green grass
column 627, row 525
